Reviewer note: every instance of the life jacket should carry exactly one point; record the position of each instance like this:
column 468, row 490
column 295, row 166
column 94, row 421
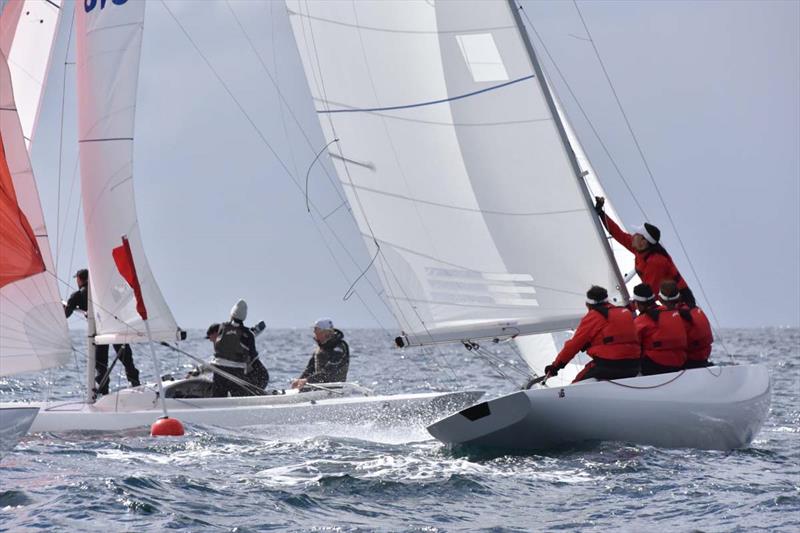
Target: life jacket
column 331, row 360
column 230, row 346
column 642, row 261
column 666, row 343
column 617, row 339
column 698, row 333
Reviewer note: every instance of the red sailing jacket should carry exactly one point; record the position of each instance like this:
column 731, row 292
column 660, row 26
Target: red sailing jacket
column 653, row 268
column 698, row 333
column 663, row 336
column 607, row 337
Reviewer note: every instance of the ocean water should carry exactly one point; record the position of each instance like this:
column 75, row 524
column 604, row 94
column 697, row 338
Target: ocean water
column 360, row 479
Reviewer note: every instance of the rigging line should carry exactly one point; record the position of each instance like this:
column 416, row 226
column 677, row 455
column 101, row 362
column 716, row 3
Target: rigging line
column 352, row 287
column 485, row 353
column 323, row 92
column 277, row 82
column 350, row 179
column 650, row 175
column 282, row 104
column 344, row 275
column 258, row 131
column 62, row 235
column 492, row 364
column 227, row 89
column 308, row 172
column 75, row 231
column 424, row 104
column 397, row 30
column 283, row 100
column 583, row 112
column 581, row 210
column 61, row 140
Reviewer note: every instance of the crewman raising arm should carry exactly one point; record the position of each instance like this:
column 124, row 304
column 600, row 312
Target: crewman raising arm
column 653, row 263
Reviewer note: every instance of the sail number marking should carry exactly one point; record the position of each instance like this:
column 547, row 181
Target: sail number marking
column 88, row 5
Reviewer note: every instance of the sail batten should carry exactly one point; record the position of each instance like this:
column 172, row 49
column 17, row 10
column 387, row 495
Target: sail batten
column 445, row 198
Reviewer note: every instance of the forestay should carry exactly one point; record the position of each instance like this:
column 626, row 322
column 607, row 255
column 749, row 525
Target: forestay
column 109, row 38
column 540, row 350
column 451, row 158
column 33, row 329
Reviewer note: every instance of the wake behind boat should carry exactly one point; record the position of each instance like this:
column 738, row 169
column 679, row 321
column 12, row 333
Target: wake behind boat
column 14, row 424
column 716, row 408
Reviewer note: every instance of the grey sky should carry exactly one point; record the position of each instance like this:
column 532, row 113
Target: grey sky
column 712, row 90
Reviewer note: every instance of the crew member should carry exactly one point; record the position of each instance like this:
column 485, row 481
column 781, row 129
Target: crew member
column 331, row 358
column 79, row 300
column 653, row 264
column 608, row 335
column 661, row 333
column 698, row 330
column 257, row 374
column 234, row 352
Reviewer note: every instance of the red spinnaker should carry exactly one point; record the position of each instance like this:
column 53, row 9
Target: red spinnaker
column 20, row 256
column 124, row 261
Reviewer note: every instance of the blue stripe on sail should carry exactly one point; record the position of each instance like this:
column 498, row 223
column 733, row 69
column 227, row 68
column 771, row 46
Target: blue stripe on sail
column 423, row 104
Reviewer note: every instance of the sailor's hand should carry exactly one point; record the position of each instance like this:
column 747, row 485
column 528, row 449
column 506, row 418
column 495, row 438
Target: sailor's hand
column 299, row 383
column 599, row 202
column 551, row 370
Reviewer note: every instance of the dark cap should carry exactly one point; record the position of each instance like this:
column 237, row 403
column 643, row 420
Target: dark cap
column 212, row 329
column 643, row 293
column 596, row 295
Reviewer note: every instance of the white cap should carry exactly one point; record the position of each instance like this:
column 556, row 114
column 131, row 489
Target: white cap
column 239, row 310
column 642, row 230
column 323, row 323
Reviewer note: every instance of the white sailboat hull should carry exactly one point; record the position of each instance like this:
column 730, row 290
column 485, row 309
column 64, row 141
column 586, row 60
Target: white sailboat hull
column 138, row 408
column 718, row 408
column 14, row 423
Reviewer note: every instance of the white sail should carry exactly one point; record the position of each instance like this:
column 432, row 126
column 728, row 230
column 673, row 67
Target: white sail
column 540, row 350
column 27, row 32
column 33, row 329
column 450, row 156
column 109, row 38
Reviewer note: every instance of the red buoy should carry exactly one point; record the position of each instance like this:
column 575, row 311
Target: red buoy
column 166, row 427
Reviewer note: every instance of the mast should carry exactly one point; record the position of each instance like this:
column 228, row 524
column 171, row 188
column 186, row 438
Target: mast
column 512, row 4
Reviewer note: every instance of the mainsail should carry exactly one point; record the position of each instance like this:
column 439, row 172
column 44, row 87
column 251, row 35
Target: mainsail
column 27, row 32
column 109, row 39
column 453, row 159
column 33, row 329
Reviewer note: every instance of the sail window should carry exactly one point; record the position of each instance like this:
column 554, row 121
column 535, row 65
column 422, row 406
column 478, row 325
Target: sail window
column 482, row 57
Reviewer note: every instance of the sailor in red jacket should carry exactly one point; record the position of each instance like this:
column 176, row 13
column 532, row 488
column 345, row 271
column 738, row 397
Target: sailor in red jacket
column 653, row 263
column 698, row 330
column 661, row 333
column 608, row 335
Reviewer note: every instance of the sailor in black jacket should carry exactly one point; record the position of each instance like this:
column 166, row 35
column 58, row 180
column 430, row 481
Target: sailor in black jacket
column 79, row 300
column 330, row 361
column 235, row 353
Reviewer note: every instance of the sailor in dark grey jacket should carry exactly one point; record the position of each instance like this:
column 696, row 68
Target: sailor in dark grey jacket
column 234, row 352
column 330, row 361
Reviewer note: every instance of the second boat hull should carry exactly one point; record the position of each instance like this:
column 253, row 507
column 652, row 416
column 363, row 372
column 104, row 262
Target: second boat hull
column 719, row 408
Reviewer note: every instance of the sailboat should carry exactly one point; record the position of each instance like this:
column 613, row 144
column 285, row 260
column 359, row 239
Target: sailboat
column 125, row 303
column 33, row 330
column 474, row 194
